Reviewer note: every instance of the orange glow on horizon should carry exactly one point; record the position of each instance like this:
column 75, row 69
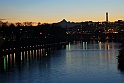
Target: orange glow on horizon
column 54, row 19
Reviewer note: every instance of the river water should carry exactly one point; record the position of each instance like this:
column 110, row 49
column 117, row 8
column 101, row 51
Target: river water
column 77, row 62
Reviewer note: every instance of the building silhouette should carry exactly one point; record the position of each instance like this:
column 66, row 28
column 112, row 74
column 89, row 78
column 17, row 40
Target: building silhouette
column 107, row 17
column 68, row 24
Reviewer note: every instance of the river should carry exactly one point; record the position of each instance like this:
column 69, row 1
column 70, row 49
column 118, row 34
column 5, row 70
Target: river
column 77, row 62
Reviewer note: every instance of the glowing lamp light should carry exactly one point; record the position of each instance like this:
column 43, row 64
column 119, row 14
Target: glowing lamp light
column 46, row 54
column 41, row 33
column 4, row 38
column 20, row 29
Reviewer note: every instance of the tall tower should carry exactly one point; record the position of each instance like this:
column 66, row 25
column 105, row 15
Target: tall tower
column 107, row 17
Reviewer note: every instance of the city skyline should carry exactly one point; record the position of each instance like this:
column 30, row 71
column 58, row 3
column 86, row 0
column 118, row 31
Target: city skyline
column 54, row 11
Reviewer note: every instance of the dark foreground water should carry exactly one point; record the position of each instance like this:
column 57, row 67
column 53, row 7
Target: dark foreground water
column 79, row 62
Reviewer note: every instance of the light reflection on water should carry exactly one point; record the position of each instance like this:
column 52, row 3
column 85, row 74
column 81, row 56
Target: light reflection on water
column 81, row 62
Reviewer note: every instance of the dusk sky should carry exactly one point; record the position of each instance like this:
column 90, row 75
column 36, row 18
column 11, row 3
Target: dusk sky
column 49, row 11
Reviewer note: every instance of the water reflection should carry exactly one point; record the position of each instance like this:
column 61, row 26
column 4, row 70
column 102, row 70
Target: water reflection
column 100, row 46
column 19, row 59
column 84, row 45
column 9, row 61
column 81, row 62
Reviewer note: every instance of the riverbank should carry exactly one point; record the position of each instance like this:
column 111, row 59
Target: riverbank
column 121, row 59
column 32, row 47
column 121, row 54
